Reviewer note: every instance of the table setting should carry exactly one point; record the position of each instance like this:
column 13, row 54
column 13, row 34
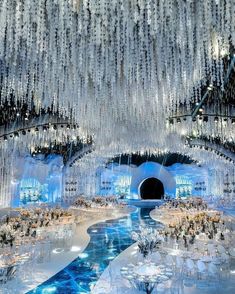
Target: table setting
column 148, row 240
column 145, row 276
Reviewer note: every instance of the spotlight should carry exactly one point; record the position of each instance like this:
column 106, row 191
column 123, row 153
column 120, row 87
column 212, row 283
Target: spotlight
column 216, row 119
column 75, row 249
column 178, row 120
column 23, row 132
column 5, row 138
column 68, row 127
column 16, row 134
column 210, row 87
column 17, row 114
column 233, row 121
column 44, row 128
column 205, row 118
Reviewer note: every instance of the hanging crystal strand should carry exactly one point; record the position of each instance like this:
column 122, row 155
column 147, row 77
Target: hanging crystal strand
column 207, row 34
column 3, row 17
column 6, row 50
column 222, row 47
column 232, row 31
column 228, row 22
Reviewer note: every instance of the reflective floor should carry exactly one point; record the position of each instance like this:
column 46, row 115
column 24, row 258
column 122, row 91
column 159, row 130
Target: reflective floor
column 108, row 240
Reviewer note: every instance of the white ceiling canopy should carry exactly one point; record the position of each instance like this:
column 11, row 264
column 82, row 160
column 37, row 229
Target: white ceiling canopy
column 114, row 66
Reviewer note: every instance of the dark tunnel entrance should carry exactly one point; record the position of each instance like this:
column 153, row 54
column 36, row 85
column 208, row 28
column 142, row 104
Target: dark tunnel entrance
column 151, row 188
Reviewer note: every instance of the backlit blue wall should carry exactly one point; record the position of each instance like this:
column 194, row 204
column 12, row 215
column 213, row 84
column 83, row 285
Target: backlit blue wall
column 38, row 179
column 178, row 180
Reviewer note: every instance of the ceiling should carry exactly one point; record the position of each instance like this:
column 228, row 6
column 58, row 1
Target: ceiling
column 131, row 74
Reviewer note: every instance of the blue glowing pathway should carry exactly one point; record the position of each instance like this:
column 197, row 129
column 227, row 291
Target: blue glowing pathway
column 108, row 240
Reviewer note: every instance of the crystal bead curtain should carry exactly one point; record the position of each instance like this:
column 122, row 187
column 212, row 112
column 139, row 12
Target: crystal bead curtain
column 105, row 62
column 118, row 68
column 22, row 146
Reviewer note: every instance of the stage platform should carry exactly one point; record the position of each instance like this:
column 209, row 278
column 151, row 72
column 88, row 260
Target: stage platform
column 145, row 203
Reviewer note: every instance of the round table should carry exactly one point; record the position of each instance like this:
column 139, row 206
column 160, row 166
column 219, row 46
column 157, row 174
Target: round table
column 145, row 276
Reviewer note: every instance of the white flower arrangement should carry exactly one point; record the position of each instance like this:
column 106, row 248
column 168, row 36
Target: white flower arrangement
column 148, row 240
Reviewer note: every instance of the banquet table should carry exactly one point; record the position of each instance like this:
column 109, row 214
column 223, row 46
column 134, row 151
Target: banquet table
column 144, row 276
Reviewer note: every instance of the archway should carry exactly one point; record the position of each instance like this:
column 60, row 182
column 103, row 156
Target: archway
column 151, row 188
column 152, row 170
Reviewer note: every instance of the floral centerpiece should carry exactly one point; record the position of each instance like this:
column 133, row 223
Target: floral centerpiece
column 148, row 240
column 7, row 235
column 99, row 201
column 112, row 200
column 82, row 202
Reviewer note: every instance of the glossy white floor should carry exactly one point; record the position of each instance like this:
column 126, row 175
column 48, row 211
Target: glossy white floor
column 111, row 281
column 60, row 255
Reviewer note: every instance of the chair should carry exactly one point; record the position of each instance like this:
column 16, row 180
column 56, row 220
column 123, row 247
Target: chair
column 169, row 260
column 232, row 252
column 201, row 268
column 211, row 248
column 221, row 249
column 179, row 264
column 225, row 257
column 190, row 267
column 213, row 271
column 226, row 261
